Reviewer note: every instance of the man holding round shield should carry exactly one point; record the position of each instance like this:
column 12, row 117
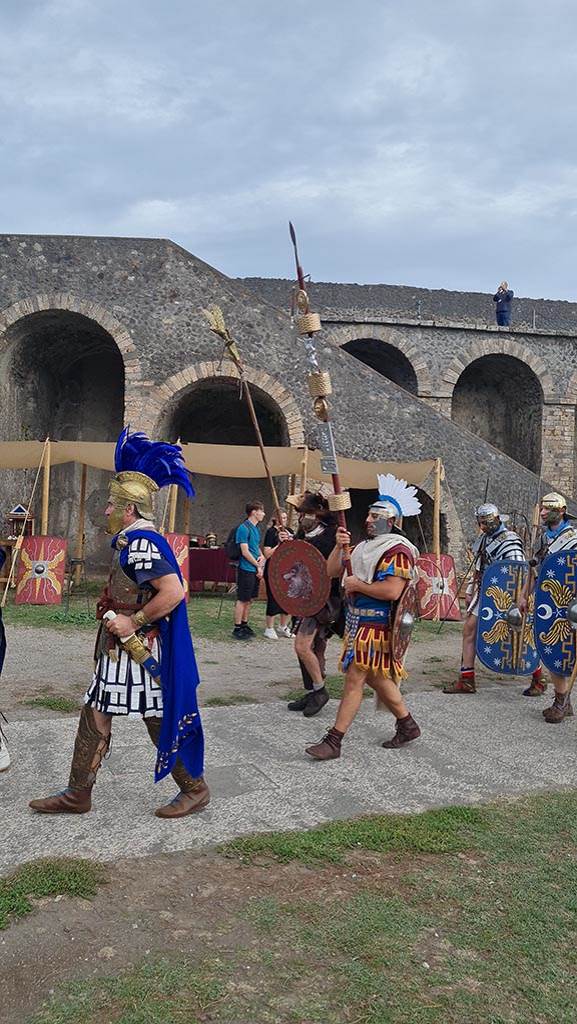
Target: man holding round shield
column 382, row 569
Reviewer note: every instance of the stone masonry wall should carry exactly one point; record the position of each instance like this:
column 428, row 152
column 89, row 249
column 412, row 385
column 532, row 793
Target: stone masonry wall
column 148, row 295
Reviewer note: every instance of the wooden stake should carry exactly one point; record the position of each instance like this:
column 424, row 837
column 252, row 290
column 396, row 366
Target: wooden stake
column 79, row 552
column 187, row 506
column 172, row 502
column 45, row 490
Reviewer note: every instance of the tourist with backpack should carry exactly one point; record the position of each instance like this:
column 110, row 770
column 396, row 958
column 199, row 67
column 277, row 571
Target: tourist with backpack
column 250, row 569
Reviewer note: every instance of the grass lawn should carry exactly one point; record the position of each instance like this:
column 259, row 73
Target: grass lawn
column 55, row 877
column 456, row 916
column 203, row 614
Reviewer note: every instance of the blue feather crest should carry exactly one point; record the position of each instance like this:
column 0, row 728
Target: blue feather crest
column 162, row 462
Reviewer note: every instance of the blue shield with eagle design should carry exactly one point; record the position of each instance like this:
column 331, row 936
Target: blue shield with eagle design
column 555, row 608
column 505, row 641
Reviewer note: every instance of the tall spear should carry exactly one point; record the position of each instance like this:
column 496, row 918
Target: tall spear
column 308, row 324
column 216, row 322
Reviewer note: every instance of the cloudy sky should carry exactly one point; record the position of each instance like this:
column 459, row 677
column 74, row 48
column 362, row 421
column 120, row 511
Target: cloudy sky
column 416, row 142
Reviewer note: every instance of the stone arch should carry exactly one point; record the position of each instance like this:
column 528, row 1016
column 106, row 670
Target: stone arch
column 500, row 399
column 202, row 404
column 54, row 301
column 64, row 366
column 501, row 346
column 169, row 391
column 345, row 335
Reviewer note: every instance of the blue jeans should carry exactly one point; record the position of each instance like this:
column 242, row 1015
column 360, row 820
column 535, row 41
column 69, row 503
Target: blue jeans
column 503, row 318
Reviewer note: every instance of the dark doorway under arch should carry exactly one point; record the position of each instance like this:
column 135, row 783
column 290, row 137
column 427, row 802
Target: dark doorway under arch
column 62, row 376
column 213, row 411
column 386, row 360
column 500, row 399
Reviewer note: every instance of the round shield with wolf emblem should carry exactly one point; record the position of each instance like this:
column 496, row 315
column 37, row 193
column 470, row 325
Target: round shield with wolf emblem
column 505, row 640
column 556, row 612
column 297, row 576
column 406, row 615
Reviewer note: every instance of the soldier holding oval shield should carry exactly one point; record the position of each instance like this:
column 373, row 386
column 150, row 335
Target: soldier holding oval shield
column 556, row 601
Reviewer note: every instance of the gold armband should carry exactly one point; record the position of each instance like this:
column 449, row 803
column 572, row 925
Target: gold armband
column 140, row 620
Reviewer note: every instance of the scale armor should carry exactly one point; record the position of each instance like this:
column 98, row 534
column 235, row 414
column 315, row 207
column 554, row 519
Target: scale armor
column 504, row 546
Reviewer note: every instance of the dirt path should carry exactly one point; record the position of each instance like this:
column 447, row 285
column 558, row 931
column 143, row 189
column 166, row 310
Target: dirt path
column 44, row 661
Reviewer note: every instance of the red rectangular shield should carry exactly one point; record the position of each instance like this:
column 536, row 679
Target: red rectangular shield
column 179, row 543
column 40, row 571
column 437, row 588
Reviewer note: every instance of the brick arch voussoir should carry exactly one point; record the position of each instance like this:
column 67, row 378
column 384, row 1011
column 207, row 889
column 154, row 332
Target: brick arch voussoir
column 74, row 304
column 506, row 347
column 169, row 392
column 340, row 336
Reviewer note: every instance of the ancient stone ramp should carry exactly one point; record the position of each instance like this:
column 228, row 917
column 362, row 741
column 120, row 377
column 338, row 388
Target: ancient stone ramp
column 492, row 745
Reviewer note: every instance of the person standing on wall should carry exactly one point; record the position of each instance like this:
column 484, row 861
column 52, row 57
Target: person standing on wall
column 503, row 298
column 250, row 569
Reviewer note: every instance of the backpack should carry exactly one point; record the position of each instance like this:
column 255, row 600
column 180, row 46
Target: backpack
column 232, row 549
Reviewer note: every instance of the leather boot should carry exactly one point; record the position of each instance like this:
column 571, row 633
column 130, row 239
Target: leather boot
column 561, row 708
column 90, row 747
column 194, row 798
column 407, row 730
column 329, row 747
column 194, row 794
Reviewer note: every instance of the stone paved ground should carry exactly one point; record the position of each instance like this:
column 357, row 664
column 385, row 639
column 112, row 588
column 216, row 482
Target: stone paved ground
column 472, row 749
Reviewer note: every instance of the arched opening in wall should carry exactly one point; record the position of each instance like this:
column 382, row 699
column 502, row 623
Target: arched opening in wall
column 62, row 376
column 213, row 411
column 500, row 399
column 386, row 360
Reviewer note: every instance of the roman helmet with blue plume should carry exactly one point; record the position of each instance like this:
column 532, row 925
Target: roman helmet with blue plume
column 142, row 468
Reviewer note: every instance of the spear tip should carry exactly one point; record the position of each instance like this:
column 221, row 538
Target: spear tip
column 292, row 233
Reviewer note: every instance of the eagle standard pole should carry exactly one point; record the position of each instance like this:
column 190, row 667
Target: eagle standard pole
column 308, row 324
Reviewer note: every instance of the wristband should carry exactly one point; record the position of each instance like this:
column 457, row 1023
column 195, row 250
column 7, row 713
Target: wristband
column 139, row 619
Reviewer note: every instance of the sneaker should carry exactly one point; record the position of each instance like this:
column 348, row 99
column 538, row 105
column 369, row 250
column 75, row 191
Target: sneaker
column 300, row 703
column 270, row 634
column 247, row 629
column 239, row 633
column 316, row 702
column 286, row 631
column 4, row 755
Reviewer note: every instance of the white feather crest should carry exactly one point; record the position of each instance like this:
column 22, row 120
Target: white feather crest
column 403, row 493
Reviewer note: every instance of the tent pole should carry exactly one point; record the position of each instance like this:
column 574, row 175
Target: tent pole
column 79, row 553
column 172, row 501
column 45, row 490
column 187, row 504
column 437, row 529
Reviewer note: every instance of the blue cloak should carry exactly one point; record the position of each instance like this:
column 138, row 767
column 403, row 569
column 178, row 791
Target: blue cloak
column 181, row 733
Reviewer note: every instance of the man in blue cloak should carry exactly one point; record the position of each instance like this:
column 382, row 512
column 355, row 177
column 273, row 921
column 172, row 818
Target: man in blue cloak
column 144, row 658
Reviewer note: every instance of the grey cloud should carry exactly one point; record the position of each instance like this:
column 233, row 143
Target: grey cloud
column 429, row 144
